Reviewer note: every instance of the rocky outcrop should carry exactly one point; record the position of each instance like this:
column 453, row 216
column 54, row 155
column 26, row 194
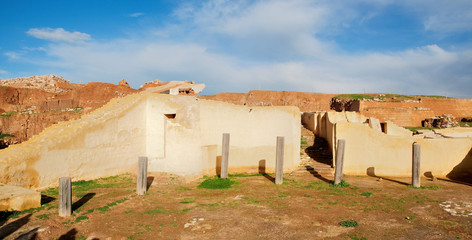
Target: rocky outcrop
column 29, row 105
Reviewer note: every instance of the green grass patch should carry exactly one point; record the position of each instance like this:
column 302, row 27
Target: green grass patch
column 217, row 183
column 432, row 96
column 430, row 187
column 355, row 237
column 6, row 114
column 120, row 181
column 366, row 194
column 81, row 218
column 303, row 143
column 43, row 216
column 188, row 200
column 4, row 135
column 414, row 129
column 182, row 188
column 158, row 210
column 349, row 223
column 353, row 96
column 342, row 184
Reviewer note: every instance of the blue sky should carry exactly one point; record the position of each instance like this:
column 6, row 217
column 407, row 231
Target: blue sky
column 331, row 46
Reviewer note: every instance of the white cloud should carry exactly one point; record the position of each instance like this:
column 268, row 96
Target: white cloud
column 58, row 35
column 3, row 71
column 13, row 55
column 138, row 14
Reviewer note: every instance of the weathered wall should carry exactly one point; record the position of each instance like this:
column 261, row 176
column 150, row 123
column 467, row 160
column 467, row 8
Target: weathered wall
column 390, row 153
column 179, row 134
column 413, row 112
column 303, row 100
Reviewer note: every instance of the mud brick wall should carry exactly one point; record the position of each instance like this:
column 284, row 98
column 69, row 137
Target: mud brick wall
column 412, row 113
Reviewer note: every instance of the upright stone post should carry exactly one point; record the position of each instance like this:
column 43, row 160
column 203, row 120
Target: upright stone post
column 224, row 156
column 338, row 174
column 416, row 165
column 279, row 161
column 141, row 187
column 65, row 197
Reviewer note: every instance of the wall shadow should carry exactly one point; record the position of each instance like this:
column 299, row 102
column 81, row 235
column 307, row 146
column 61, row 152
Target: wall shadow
column 70, row 235
column 10, row 228
column 262, row 170
column 29, row 235
column 371, row 173
column 462, row 173
column 320, row 151
column 431, row 178
column 218, row 166
column 82, row 201
column 317, row 175
column 149, row 182
column 46, row 199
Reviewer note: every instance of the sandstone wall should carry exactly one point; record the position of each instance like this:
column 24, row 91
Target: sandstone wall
column 369, row 151
column 412, row 113
column 179, row 134
column 304, row 101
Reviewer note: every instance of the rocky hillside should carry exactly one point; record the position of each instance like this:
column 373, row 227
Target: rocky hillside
column 29, row 105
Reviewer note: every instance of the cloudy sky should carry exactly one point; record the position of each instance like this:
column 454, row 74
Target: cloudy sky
column 329, row 46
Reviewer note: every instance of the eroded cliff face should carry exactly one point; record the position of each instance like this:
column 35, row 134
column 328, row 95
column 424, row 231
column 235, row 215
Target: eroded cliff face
column 29, row 105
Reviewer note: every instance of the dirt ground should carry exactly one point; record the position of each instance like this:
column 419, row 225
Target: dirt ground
column 306, row 206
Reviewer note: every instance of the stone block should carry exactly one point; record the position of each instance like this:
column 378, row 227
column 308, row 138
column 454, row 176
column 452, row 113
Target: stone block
column 17, row 198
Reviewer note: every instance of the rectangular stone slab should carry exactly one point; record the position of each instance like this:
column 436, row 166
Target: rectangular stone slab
column 17, row 198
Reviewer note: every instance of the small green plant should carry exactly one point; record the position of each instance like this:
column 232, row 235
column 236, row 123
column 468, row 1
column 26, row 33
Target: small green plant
column 188, row 200
column 430, row 187
column 183, row 188
column 349, row 223
column 303, row 143
column 158, row 210
column 355, row 237
column 216, row 183
column 4, row 135
column 342, row 184
column 81, row 218
column 366, row 194
column 43, row 216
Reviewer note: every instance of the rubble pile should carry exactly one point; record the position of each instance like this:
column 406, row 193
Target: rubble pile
column 444, row 121
column 47, row 83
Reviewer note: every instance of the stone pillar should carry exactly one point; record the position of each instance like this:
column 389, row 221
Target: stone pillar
column 338, row 174
column 279, row 161
column 224, row 156
column 65, row 197
column 416, row 165
column 141, row 187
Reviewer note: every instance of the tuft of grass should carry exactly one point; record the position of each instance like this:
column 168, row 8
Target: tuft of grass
column 342, row 184
column 182, row 188
column 4, row 135
column 43, row 216
column 414, row 129
column 188, row 200
column 430, row 187
column 81, row 218
column 355, row 237
column 158, row 210
column 349, row 223
column 366, row 194
column 216, row 183
column 303, row 143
